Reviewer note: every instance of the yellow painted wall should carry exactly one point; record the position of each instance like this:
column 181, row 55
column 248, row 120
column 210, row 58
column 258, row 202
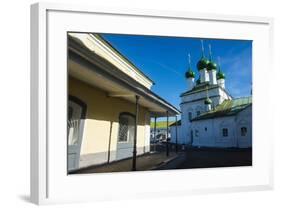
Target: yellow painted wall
column 102, row 112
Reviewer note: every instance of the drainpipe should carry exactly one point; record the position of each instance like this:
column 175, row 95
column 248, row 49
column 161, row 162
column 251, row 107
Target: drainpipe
column 167, row 134
column 176, row 134
column 155, row 133
column 135, row 134
column 109, row 143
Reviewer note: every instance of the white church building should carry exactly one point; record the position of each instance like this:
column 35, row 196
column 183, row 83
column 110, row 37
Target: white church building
column 211, row 117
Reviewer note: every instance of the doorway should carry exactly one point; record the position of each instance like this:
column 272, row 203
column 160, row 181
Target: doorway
column 75, row 127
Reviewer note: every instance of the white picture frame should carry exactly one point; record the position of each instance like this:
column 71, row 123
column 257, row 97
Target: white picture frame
column 49, row 180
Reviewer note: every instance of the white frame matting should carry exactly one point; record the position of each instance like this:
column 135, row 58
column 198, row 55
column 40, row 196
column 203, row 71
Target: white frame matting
column 49, row 180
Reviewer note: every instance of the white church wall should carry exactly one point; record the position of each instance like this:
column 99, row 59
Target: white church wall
column 215, row 101
column 193, row 103
column 192, row 108
column 217, row 95
column 199, row 95
column 228, row 123
column 244, row 120
column 223, row 95
column 181, row 137
column 208, row 133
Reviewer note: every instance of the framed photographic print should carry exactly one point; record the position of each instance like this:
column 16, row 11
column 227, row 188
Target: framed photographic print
column 122, row 99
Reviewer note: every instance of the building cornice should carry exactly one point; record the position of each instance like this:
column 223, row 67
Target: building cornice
column 199, row 99
column 194, row 90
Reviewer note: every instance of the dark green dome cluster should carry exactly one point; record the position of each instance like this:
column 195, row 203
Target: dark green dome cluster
column 202, row 63
column 211, row 66
column 189, row 74
column 220, row 75
column 205, row 63
column 208, row 101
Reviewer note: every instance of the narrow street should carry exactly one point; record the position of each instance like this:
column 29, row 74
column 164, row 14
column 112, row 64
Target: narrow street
column 211, row 157
column 185, row 158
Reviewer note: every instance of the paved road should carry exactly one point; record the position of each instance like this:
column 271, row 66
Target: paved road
column 184, row 159
column 212, row 157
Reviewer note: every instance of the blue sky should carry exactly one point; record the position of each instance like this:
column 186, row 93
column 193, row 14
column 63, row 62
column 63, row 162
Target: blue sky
column 165, row 61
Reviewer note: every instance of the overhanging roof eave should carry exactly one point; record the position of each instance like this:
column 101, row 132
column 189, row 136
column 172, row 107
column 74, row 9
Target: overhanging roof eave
column 121, row 78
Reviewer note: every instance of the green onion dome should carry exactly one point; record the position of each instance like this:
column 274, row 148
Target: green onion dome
column 208, row 101
column 211, row 66
column 189, row 73
column 202, row 63
column 220, row 75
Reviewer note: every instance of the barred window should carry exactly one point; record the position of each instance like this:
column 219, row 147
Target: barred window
column 126, row 127
column 123, row 129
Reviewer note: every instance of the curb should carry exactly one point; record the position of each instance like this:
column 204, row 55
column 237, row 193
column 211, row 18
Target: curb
column 165, row 162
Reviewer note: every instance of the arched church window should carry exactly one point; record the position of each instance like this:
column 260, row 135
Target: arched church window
column 243, row 131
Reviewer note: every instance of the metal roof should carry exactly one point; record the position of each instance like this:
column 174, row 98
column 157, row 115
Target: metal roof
column 227, row 108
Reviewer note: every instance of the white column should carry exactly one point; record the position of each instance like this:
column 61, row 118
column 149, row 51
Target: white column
column 190, row 83
column 212, row 77
column 208, row 107
column 221, row 83
column 204, row 76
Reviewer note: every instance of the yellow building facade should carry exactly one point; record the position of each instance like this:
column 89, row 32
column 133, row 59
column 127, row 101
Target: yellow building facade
column 99, row 142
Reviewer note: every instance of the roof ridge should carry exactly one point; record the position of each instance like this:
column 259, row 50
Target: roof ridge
column 226, row 108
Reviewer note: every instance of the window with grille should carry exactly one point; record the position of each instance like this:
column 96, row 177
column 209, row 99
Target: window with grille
column 123, row 129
